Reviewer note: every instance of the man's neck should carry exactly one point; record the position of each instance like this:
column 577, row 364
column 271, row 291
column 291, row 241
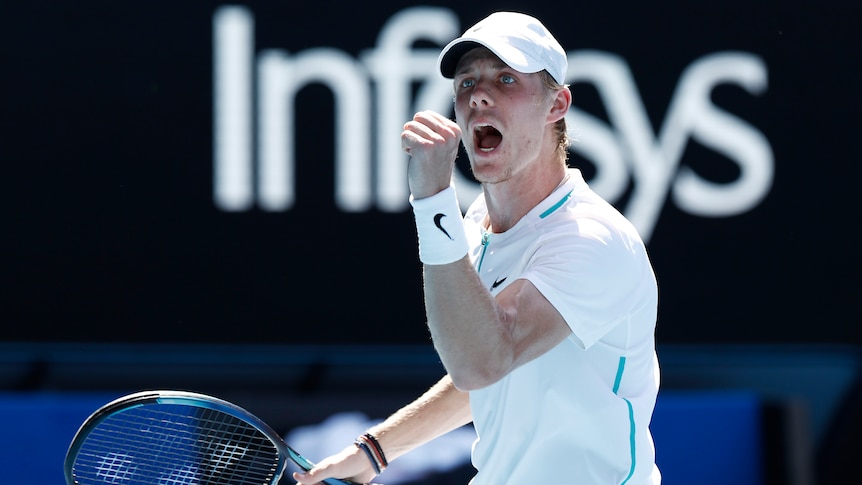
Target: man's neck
column 511, row 200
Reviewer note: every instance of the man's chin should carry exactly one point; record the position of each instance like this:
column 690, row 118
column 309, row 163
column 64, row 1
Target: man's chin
column 489, row 174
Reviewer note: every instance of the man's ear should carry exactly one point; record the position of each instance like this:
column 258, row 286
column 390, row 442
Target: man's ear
column 562, row 102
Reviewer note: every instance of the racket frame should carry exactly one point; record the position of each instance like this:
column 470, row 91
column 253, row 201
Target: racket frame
column 194, row 399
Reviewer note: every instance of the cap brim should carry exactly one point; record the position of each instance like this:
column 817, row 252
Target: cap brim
column 509, row 54
column 453, row 53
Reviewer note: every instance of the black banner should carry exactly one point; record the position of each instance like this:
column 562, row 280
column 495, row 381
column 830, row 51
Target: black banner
column 208, row 172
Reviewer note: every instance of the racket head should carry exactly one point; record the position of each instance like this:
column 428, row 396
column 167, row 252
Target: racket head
column 176, row 438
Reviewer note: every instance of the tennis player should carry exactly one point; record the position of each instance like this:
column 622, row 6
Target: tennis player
column 541, row 300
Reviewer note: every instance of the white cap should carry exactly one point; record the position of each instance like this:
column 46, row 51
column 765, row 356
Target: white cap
column 519, row 40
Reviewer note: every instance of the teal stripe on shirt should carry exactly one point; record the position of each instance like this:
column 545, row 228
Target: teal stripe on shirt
column 556, row 206
column 620, row 368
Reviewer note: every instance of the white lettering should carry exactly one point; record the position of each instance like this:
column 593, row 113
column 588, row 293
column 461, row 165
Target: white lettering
column 655, row 162
column 394, row 67
column 232, row 46
column 691, row 112
column 405, row 81
column 281, row 77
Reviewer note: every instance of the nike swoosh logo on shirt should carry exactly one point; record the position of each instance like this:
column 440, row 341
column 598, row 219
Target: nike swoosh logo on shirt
column 498, row 283
column 437, row 218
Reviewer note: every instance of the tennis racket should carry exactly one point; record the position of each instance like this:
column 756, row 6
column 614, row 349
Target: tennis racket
column 177, row 438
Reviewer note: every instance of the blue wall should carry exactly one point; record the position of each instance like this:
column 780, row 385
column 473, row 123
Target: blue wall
column 704, row 438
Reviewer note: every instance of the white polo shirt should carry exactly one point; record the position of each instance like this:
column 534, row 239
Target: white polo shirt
column 580, row 413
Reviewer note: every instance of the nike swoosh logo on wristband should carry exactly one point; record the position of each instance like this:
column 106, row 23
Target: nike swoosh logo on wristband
column 437, row 218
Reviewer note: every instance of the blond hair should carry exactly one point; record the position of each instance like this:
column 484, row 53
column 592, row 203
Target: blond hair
column 560, row 127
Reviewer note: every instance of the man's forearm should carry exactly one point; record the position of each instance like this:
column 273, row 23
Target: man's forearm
column 439, row 410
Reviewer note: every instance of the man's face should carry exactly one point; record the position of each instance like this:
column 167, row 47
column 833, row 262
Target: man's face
column 503, row 115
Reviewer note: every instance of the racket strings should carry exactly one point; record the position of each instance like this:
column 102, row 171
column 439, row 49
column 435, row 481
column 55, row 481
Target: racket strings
column 176, row 445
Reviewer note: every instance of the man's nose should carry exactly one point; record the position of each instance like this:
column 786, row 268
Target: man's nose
column 480, row 97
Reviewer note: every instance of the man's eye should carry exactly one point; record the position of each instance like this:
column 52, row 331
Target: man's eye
column 467, row 83
column 506, row 79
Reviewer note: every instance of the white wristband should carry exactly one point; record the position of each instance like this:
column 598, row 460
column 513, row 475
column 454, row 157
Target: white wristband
column 440, row 226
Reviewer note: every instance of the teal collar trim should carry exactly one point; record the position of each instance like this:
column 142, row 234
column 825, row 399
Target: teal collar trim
column 556, row 206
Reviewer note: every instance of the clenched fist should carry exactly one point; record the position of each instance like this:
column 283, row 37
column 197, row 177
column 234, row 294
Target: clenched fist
column 432, row 142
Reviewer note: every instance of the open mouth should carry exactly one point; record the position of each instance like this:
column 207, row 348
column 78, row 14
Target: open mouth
column 487, row 138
